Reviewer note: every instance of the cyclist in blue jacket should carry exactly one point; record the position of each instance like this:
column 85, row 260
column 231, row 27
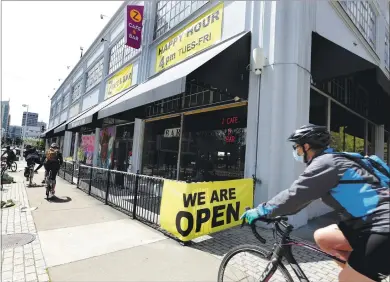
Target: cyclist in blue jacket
column 362, row 237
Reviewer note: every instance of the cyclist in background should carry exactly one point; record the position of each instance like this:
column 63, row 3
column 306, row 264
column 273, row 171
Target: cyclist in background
column 53, row 161
column 11, row 157
column 362, row 237
column 32, row 158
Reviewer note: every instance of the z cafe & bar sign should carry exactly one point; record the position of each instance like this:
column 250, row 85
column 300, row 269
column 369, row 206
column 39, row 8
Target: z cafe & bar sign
column 201, row 33
column 133, row 30
column 120, row 81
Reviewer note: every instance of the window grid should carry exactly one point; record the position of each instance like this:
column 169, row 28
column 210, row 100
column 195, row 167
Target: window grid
column 170, row 13
column 77, row 90
column 387, row 50
column 120, row 54
column 363, row 16
column 95, row 74
column 65, row 101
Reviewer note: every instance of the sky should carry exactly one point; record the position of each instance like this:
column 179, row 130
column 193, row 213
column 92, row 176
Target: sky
column 39, row 40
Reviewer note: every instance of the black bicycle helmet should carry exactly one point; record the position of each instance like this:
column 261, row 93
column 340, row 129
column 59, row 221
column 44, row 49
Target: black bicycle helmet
column 314, row 135
column 28, row 147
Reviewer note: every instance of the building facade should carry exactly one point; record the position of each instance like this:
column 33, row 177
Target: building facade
column 32, row 119
column 15, row 131
column 198, row 96
column 5, row 110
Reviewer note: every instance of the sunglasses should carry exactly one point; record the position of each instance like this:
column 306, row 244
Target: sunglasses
column 295, row 146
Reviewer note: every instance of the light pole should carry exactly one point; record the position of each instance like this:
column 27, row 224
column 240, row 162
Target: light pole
column 24, row 128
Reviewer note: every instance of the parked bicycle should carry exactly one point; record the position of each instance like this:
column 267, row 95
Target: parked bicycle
column 270, row 260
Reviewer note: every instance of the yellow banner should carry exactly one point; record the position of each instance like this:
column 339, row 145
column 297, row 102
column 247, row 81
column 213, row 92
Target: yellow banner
column 120, row 81
column 201, row 33
column 190, row 210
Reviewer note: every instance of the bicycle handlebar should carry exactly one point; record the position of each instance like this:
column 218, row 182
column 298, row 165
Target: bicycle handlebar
column 279, row 219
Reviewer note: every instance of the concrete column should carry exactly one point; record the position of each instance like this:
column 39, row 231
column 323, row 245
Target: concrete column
column 284, row 95
column 96, row 149
column 138, row 143
column 67, row 144
column 76, row 146
column 254, row 22
column 380, row 141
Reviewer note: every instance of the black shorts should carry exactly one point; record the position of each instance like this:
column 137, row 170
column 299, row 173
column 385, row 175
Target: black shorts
column 370, row 255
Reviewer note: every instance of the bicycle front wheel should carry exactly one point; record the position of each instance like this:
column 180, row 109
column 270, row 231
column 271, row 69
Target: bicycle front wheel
column 251, row 263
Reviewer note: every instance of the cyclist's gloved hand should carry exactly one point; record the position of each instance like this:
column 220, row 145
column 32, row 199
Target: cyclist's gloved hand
column 252, row 214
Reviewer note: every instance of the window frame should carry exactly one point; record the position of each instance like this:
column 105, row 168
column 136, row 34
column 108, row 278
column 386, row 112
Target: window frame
column 97, row 65
column 159, row 29
column 354, row 11
column 123, row 61
column 78, row 82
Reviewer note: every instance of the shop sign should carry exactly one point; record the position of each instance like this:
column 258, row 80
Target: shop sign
column 201, row 33
column 172, row 132
column 191, row 210
column 120, row 81
column 133, row 30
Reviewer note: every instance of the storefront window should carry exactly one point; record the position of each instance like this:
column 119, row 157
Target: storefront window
column 120, row 54
column 123, row 149
column 77, row 90
column 318, row 109
column 161, row 146
column 347, row 130
column 106, row 147
column 86, row 148
column 213, row 146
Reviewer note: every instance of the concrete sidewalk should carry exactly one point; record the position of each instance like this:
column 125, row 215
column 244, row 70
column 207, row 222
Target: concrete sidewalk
column 84, row 240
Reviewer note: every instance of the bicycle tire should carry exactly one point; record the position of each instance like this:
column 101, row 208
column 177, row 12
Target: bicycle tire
column 253, row 248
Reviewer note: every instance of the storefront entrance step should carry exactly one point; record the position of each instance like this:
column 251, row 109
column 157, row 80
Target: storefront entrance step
column 164, row 260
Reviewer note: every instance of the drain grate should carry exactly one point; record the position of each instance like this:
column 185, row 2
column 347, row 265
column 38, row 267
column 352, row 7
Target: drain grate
column 11, row 241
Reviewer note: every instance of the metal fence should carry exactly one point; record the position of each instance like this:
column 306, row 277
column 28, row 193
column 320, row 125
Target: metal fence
column 134, row 194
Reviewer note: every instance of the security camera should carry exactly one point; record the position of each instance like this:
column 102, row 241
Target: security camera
column 258, row 60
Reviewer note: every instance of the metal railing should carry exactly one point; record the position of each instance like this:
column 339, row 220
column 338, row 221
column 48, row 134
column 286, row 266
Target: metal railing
column 134, row 194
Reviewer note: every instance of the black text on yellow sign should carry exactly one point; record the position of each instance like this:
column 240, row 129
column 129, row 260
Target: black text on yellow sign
column 201, row 33
column 192, row 210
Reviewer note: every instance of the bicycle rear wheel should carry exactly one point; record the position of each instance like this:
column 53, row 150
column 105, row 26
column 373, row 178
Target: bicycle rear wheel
column 248, row 263
column 14, row 167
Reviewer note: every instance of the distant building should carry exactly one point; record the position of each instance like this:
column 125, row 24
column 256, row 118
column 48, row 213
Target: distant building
column 15, row 131
column 32, row 131
column 32, row 119
column 5, row 115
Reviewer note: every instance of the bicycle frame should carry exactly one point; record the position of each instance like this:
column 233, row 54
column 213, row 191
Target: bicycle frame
column 283, row 249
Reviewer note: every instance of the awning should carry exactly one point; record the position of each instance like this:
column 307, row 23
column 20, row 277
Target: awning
column 87, row 117
column 43, row 135
column 168, row 83
column 63, row 126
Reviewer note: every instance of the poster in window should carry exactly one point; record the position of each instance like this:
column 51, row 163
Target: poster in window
column 87, row 146
column 106, row 147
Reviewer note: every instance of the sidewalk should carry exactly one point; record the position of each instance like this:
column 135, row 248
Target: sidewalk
column 84, row 240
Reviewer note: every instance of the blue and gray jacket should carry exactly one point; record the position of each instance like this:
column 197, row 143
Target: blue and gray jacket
column 341, row 184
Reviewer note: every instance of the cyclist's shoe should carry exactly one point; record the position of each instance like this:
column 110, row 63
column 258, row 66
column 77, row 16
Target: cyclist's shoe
column 43, row 181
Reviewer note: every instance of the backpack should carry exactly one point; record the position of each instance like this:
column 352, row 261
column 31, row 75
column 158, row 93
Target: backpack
column 373, row 164
column 52, row 155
